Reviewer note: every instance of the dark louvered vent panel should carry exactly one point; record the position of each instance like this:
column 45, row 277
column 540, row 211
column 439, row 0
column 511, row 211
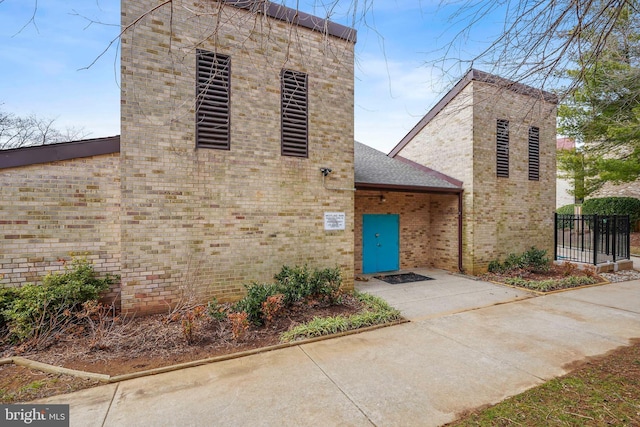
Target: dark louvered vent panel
column 502, row 148
column 212, row 108
column 534, row 153
column 294, row 114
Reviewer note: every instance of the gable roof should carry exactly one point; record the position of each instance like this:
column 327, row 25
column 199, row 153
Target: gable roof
column 376, row 170
column 472, row 75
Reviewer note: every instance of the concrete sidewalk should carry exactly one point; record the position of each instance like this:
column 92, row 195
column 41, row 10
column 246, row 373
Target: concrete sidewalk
column 421, row 373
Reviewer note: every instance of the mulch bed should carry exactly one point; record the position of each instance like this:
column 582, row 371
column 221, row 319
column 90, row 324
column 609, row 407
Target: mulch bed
column 142, row 343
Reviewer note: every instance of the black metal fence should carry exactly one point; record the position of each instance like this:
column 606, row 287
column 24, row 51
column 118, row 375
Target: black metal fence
column 592, row 239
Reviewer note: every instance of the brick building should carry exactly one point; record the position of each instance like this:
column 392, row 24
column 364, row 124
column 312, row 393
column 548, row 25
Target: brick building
column 499, row 138
column 208, row 191
column 236, row 157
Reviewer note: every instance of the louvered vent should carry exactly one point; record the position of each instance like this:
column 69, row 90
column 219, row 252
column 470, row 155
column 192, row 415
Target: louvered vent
column 502, row 148
column 534, row 153
column 212, row 100
column 294, row 114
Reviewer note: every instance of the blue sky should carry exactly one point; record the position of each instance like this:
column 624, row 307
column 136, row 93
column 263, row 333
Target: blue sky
column 42, row 62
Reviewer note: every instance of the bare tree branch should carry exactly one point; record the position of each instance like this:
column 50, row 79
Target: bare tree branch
column 16, row 132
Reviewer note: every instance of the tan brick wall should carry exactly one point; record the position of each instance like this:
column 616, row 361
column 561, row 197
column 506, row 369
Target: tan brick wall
column 500, row 215
column 428, row 227
column 55, row 210
column 207, row 221
column 512, row 214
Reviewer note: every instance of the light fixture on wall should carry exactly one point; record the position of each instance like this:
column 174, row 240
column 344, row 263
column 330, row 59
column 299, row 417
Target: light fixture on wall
column 382, row 198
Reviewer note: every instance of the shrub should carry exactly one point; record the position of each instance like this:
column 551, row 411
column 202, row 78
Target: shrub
column 239, row 324
column 295, row 284
column 298, row 283
column 215, row 310
column 272, row 306
column 38, row 309
column 189, row 322
column 613, row 206
column 257, row 293
column 536, row 259
column 7, row 296
column 533, row 259
column 566, row 209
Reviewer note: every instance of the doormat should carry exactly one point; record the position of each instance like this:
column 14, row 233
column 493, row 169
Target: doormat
column 396, row 279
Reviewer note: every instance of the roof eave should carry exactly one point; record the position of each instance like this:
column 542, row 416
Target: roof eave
column 406, row 188
column 26, row 156
column 294, row 16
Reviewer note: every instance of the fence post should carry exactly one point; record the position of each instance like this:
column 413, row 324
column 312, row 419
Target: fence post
column 615, row 232
column 596, row 232
column 555, row 236
column 628, row 229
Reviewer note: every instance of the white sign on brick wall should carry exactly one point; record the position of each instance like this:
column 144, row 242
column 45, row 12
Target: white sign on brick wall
column 334, row 220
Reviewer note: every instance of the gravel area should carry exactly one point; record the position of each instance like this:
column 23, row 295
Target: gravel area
column 622, row 275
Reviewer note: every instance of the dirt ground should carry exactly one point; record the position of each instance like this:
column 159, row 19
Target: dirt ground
column 142, row 343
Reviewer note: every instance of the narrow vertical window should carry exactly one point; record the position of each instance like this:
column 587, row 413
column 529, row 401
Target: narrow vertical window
column 534, row 153
column 294, row 114
column 502, row 148
column 212, row 100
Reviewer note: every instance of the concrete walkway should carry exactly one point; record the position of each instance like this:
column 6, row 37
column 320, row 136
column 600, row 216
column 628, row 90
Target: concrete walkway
column 421, row 373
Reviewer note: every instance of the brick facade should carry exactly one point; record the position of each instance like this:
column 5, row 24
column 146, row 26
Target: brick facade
column 500, row 215
column 53, row 211
column 204, row 221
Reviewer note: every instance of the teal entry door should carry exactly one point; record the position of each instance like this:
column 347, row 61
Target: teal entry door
column 380, row 243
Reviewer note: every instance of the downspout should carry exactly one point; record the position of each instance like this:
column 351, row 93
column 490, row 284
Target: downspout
column 460, row 268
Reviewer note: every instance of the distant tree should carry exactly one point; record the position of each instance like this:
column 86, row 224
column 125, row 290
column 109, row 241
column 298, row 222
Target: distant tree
column 575, row 167
column 602, row 111
column 17, row 131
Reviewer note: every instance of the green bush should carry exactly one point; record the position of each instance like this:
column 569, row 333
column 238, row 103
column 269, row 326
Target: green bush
column 566, row 209
column 7, row 296
column 613, row 206
column 296, row 284
column 38, row 309
column 257, row 293
column 533, row 259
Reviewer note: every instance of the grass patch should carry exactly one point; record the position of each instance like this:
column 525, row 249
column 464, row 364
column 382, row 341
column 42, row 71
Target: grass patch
column 551, row 284
column 603, row 392
column 375, row 311
column 635, row 250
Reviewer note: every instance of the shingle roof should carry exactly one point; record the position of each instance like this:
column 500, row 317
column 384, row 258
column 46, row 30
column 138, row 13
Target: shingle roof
column 373, row 168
